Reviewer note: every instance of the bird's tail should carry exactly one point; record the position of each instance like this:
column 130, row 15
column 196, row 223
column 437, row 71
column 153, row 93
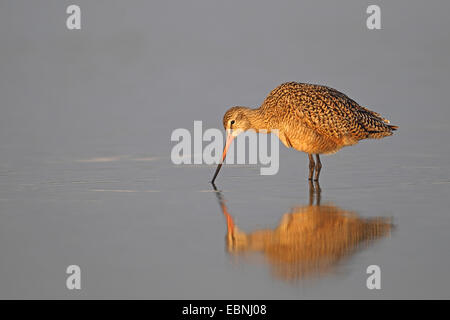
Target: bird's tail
column 373, row 124
column 382, row 131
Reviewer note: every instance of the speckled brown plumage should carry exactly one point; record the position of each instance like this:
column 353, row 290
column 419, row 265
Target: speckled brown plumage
column 311, row 118
column 328, row 112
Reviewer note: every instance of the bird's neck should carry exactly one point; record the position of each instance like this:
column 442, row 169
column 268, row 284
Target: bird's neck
column 257, row 120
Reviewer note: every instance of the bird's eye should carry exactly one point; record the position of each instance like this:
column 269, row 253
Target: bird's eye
column 232, row 121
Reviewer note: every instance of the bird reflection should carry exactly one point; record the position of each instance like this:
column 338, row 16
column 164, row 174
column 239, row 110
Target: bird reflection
column 309, row 241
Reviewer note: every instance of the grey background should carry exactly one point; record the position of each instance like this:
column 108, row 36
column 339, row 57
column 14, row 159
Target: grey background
column 85, row 124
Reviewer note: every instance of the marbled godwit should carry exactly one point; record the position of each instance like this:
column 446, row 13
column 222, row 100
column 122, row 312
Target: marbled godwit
column 311, row 118
column 309, row 241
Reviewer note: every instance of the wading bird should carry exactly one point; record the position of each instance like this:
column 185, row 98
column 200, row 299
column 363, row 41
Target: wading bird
column 307, row 117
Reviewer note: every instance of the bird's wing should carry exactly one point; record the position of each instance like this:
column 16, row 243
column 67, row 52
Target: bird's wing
column 332, row 113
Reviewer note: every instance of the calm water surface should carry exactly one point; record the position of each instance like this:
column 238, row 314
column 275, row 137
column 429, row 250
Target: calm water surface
column 85, row 171
column 140, row 227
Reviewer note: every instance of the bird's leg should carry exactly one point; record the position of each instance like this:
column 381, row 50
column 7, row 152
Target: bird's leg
column 311, row 193
column 318, row 193
column 314, row 192
column 311, row 166
column 317, row 167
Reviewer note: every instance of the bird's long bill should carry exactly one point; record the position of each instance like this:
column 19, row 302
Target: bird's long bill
column 230, row 138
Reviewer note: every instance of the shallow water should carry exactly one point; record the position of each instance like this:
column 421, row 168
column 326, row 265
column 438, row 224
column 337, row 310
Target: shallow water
column 141, row 227
column 86, row 176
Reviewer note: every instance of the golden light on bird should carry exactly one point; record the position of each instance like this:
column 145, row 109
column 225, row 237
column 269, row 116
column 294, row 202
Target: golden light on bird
column 311, row 118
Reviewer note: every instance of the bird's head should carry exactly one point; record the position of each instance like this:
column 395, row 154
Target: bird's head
column 236, row 121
